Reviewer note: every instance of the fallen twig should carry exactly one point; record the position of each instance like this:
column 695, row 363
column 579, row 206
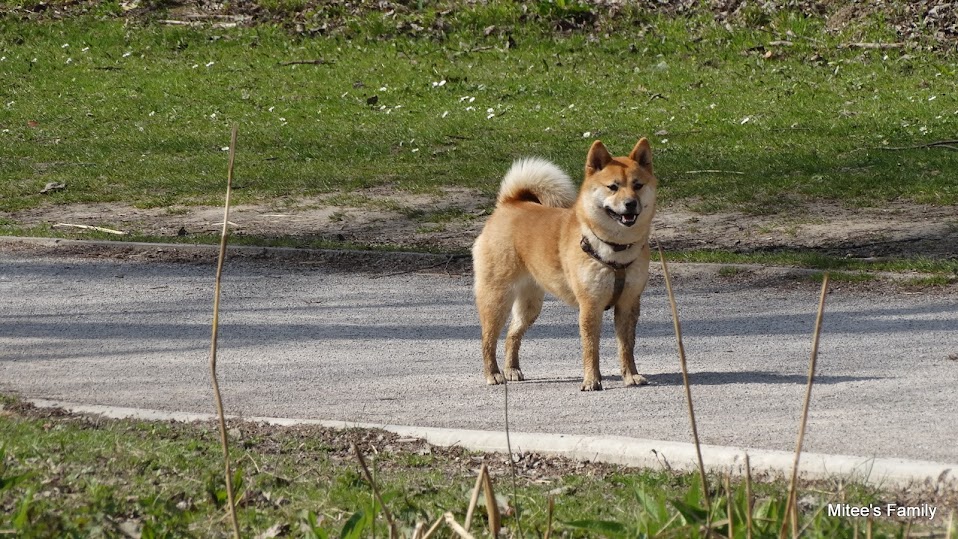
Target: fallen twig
column 873, row 46
column 89, row 227
column 216, row 316
column 710, row 171
column 949, row 144
column 317, row 62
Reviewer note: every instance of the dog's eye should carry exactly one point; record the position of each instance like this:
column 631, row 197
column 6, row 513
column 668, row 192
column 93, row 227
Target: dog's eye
column 636, row 186
column 614, row 187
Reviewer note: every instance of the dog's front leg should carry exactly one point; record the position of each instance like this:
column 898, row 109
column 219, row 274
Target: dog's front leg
column 626, row 319
column 590, row 327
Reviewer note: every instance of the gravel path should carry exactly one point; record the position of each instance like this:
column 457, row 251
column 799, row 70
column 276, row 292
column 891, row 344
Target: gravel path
column 307, row 341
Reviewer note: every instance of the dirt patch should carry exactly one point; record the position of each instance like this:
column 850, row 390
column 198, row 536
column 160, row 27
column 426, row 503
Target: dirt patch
column 449, row 221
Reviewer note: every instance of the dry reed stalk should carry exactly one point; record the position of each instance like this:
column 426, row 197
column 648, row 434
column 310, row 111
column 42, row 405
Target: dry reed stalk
column 748, row 498
column 492, row 508
column 551, row 509
column 454, row 526
column 484, row 483
column 393, row 531
column 216, row 319
column 685, row 377
column 791, row 506
column 474, row 499
column 868, row 528
column 512, row 468
column 729, row 506
column 435, row 527
column 951, row 525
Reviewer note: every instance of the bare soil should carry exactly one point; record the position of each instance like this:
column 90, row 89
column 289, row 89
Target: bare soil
column 449, row 222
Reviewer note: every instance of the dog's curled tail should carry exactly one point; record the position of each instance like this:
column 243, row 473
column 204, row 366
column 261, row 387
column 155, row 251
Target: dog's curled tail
column 537, row 180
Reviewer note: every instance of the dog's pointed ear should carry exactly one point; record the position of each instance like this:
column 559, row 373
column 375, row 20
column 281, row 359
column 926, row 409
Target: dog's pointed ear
column 597, row 159
column 642, row 153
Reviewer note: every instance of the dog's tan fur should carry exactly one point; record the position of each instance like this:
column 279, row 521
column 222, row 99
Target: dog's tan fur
column 533, row 242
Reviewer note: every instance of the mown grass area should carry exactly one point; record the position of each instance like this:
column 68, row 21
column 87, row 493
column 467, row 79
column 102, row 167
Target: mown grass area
column 131, row 109
column 76, row 476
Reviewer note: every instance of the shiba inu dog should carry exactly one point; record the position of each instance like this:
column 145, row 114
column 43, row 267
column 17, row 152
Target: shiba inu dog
column 590, row 250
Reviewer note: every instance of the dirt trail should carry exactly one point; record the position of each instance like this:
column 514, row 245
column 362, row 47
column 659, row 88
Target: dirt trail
column 450, row 221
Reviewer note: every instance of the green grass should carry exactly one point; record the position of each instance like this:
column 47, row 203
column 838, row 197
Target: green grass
column 140, row 113
column 942, row 271
column 71, row 476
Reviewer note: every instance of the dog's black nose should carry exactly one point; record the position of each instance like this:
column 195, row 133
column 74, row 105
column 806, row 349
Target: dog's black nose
column 631, row 205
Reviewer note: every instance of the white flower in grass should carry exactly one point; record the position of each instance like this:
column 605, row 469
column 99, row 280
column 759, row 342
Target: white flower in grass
column 587, row 134
column 444, row 114
column 439, row 84
column 127, row 54
column 69, row 60
column 210, row 64
column 470, row 108
column 85, row 49
column 745, row 120
column 65, row 45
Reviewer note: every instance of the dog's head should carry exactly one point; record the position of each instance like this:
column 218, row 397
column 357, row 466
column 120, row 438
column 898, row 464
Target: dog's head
column 619, row 192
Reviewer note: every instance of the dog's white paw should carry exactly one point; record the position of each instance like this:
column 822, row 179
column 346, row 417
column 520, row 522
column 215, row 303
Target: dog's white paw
column 514, row 375
column 591, row 385
column 634, row 380
column 495, row 379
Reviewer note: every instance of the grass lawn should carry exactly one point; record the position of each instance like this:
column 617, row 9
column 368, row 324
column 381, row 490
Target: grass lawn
column 79, row 476
column 133, row 110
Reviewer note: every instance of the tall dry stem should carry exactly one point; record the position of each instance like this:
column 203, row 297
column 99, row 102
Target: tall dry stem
column 791, row 506
column 216, row 319
column 393, row 531
column 749, row 502
column 685, row 378
column 512, row 463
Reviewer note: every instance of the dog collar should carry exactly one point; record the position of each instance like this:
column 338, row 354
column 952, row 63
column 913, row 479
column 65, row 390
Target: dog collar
column 589, row 250
column 617, row 267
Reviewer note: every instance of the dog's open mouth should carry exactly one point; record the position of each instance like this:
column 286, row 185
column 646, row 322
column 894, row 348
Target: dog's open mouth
column 626, row 219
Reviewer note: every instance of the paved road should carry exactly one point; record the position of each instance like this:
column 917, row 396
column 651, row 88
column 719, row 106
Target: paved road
column 306, row 342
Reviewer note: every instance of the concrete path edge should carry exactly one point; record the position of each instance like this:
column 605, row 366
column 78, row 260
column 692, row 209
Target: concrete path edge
column 633, row 452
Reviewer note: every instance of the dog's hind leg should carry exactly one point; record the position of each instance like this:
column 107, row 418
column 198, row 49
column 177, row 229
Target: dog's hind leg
column 493, row 305
column 525, row 309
